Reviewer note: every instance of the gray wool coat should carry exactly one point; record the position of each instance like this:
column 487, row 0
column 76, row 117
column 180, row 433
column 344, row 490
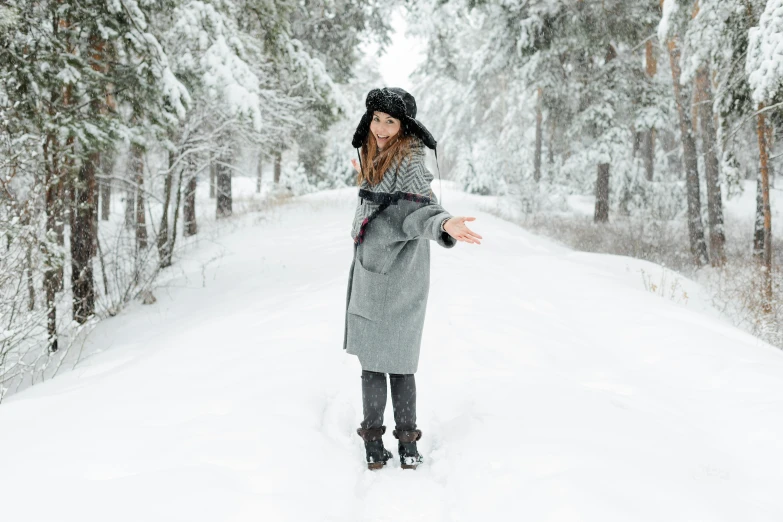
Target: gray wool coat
column 389, row 278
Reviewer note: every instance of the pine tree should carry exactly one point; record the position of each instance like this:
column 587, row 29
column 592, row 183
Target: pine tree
column 765, row 79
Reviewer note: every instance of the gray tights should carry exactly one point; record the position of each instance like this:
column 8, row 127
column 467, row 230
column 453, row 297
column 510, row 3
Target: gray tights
column 403, row 392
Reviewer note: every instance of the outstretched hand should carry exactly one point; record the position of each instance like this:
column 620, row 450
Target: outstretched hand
column 457, row 229
column 356, row 166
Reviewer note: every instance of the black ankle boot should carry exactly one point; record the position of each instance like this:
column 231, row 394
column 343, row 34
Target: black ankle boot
column 377, row 455
column 409, row 454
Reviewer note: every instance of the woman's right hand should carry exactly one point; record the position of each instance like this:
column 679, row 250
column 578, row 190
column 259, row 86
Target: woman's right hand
column 356, row 166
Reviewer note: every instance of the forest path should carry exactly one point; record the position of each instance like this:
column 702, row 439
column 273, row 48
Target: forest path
column 552, row 387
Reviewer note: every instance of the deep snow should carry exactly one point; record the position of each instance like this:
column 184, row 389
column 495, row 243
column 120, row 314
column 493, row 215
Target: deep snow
column 552, row 387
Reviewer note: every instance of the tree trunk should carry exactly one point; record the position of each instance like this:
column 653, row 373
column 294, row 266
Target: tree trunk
column 223, row 188
column 105, row 188
column 164, row 250
column 758, row 224
column 638, row 140
column 602, row 194
column 95, row 198
column 65, row 202
column 137, row 168
column 30, row 279
column 212, row 177
column 601, row 214
column 537, row 158
column 767, row 255
column 648, row 151
column 695, row 225
column 84, row 231
column 648, row 145
column 189, row 207
column 130, row 206
column 177, row 204
column 650, row 62
column 104, row 185
column 83, row 240
column 770, row 146
column 278, row 159
column 709, row 141
column 107, row 166
column 260, row 173
column 53, row 206
column 50, row 289
column 552, row 120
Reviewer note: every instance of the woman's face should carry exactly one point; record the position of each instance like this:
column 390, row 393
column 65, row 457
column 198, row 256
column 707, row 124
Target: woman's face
column 383, row 127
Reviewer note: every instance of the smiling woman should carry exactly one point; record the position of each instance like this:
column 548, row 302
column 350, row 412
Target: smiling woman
column 384, row 143
column 383, row 127
column 397, row 216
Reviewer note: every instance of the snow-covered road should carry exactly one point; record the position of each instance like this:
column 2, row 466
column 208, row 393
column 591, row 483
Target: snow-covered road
column 552, row 387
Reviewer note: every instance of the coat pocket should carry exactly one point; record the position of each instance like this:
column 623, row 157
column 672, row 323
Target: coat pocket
column 368, row 293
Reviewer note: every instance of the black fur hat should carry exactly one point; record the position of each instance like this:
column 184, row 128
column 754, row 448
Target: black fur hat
column 397, row 103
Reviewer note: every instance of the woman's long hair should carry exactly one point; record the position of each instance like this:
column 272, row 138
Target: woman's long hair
column 375, row 163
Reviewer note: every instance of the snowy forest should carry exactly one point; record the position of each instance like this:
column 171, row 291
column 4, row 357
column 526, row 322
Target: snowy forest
column 649, row 114
column 177, row 278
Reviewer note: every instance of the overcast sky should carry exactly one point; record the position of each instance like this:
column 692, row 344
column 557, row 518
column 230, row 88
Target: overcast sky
column 402, row 56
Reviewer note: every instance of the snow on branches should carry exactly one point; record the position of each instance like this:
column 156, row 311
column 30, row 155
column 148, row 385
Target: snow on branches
column 764, row 65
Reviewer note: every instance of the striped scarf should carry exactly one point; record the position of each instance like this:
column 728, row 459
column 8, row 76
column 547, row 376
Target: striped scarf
column 409, row 180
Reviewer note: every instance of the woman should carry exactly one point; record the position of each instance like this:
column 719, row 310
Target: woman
column 396, row 218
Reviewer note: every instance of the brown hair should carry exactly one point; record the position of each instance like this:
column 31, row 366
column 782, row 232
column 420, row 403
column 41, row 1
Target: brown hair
column 397, row 149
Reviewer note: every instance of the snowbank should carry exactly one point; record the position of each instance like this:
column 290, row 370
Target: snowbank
column 553, row 386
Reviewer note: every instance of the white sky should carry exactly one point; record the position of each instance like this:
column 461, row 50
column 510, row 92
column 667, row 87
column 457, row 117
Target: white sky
column 401, row 57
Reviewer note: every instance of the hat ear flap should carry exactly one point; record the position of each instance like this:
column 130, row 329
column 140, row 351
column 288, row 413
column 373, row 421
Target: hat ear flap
column 362, row 130
column 414, row 127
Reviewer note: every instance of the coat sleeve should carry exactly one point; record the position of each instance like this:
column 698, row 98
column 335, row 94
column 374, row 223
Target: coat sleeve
column 425, row 222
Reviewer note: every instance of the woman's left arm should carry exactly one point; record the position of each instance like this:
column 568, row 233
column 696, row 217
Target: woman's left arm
column 426, row 222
